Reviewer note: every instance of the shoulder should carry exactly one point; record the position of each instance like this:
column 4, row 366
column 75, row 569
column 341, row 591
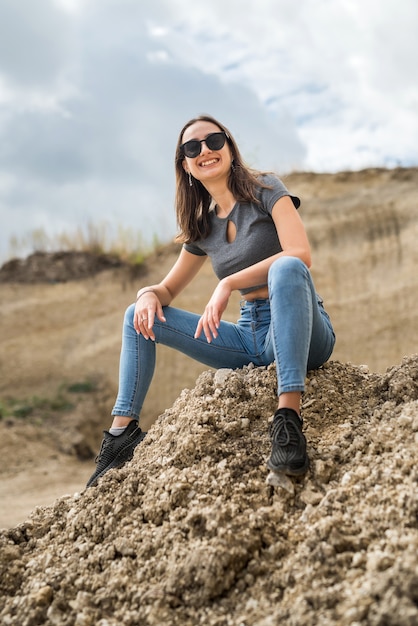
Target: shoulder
column 193, row 248
column 270, row 181
column 272, row 189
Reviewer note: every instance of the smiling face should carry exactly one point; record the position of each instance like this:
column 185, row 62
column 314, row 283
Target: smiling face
column 209, row 165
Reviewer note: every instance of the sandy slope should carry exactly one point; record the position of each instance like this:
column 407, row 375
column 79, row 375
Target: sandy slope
column 363, row 227
column 189, row 532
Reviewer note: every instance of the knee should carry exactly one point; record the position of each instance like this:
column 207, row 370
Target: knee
column 285, row 267
column 129, row 315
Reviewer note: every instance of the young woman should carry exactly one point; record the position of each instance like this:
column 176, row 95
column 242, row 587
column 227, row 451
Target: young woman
column 248, row 224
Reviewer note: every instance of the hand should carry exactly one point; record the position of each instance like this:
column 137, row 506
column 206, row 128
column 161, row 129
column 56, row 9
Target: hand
column 211, row 319
column 146, row 308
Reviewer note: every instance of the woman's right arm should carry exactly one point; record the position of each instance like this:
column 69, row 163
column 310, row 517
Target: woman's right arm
column 151, row 299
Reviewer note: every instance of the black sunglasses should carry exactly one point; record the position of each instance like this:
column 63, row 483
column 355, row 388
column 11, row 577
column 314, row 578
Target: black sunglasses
column 214, row 141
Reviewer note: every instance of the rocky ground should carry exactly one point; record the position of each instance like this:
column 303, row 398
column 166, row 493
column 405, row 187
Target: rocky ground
column 193, row 531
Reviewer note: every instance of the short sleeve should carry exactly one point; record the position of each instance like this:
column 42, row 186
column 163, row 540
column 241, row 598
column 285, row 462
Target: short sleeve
column 276, row 190
column 194, row 249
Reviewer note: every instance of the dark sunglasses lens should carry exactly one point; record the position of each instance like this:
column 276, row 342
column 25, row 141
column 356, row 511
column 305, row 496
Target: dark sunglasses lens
column 191, row 148
column 215, row 141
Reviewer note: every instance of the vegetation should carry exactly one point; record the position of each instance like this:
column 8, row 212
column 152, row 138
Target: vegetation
column 37, row 407
column 126, row 244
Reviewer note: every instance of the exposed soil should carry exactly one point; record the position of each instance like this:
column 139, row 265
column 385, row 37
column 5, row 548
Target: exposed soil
column 191, row 532
column 51, row 267
column 194, row 529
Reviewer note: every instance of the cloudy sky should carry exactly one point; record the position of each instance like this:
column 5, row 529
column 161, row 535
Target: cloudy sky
column 94, row 92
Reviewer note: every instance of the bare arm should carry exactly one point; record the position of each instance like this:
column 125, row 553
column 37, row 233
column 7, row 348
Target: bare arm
column 151, row 299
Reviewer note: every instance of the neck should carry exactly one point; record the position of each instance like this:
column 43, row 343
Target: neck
column 223, row 198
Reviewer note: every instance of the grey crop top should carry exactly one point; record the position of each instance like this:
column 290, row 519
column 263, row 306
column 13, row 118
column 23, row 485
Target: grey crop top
column 256, row 235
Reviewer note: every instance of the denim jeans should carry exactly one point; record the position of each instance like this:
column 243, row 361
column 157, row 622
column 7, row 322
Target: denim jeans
column 291, row 327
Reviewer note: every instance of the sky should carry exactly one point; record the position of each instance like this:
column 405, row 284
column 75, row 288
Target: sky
column 93, row 94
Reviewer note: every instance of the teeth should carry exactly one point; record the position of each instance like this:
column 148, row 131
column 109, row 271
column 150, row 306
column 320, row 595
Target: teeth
column 208, row 162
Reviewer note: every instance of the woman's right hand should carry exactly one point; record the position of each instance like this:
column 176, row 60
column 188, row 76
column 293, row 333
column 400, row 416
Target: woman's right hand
column 147, row 307
column 150, row 300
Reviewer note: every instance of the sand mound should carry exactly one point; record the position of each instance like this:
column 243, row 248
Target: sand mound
column 190, row 532
column 53, row 267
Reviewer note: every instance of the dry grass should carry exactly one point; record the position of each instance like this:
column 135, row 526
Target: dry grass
column 96, row 238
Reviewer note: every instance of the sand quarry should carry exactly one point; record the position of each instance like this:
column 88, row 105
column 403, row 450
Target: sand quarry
column 193, row 530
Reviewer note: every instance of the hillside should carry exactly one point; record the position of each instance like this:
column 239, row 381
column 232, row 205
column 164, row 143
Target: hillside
column 190, row 531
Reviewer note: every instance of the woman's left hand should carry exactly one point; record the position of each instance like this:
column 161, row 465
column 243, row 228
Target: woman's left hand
column 210, row 321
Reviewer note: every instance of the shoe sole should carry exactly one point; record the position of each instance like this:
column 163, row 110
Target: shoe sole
column 284, row 469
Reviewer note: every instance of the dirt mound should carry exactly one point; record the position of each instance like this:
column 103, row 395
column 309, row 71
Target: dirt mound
column 191, row 532
column 56, row 267
column 65, row 265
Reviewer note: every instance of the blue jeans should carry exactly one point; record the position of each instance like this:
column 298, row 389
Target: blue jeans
column 291, row 327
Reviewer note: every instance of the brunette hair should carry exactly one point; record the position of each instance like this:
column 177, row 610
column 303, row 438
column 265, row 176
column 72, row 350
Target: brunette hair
column 193, row 202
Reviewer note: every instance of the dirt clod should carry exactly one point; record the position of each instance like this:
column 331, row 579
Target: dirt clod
column 189, row 532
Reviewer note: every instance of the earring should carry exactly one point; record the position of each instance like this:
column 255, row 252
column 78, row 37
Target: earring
column 190, row 179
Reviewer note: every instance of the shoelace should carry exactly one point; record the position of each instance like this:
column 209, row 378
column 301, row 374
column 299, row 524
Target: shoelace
column 103, row 449
column 284, row 432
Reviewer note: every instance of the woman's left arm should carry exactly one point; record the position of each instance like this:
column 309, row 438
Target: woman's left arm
column 293, row 240
column 291, row 231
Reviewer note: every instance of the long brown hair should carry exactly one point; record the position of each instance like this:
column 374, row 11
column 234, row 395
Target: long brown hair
column 193, row 202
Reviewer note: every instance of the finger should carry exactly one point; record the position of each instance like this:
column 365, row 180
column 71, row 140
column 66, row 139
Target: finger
column 212, row 324
column 140, row 317
column 209, row 331
column 206, row 332
column 216, row 319
column 149, row 323
column 160, row 313
column 149, row 315
column 199, row 329
column 143, row 324
column 137, row 322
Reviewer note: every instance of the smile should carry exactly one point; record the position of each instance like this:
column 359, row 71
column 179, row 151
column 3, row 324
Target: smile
column 210, row 162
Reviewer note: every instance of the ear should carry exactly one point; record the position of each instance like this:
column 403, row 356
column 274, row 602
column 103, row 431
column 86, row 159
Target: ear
column 186, row 169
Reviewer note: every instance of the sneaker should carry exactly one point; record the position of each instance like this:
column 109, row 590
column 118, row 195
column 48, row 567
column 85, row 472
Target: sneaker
column 288, row 453
column 116, row 450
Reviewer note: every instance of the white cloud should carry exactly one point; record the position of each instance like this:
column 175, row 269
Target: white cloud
column 93, row 93
column 341, row 70
column 101, row 148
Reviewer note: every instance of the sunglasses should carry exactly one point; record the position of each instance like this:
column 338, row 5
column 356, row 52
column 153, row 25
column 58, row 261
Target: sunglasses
column 214, row 141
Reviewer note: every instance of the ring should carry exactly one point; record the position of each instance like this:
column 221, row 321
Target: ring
column 143, row 319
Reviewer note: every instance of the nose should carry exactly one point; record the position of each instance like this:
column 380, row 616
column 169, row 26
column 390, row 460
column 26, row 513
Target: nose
column 203, row 147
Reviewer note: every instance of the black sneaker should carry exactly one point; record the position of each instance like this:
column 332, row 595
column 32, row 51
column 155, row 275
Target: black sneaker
column 116, row 450
column 288, row 453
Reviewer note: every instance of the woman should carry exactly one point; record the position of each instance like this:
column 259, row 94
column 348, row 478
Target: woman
column 247, row 223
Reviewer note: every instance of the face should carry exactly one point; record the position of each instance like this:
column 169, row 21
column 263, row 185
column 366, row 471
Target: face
column 209, row 164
